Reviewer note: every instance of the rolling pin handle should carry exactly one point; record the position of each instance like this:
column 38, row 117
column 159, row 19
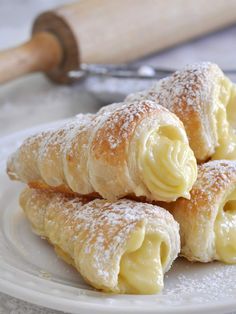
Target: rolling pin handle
column 42, row 52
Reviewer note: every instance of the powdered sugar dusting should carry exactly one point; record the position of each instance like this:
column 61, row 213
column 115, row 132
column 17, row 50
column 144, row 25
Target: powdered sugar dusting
column 98, row 229
column 199, row 283
column 57, row 137
column 62, row 155
column 193, row 86
column 214, row 176
column 193, row 95
column 80, row 124
column 120, row 121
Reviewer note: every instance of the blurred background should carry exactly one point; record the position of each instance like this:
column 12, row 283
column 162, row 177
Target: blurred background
column 34, row 99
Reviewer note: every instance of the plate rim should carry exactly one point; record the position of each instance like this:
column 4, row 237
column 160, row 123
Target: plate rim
column 57, row 303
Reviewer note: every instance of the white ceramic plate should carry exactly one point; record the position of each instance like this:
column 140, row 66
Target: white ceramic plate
column 30, row 270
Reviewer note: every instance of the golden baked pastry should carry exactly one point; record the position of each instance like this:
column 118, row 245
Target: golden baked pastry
column 137, row 148
column 208, row 220
column 121, row 247
column 204, row 99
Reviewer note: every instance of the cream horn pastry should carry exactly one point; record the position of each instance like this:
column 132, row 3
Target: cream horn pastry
column 208, row 220
column 138, row 148
column 121, row 247
column 204, row 99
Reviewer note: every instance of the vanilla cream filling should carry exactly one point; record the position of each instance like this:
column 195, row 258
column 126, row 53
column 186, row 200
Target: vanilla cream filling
column 225, row 120
column 225, row 230
column 141, row 266
column 167, row 163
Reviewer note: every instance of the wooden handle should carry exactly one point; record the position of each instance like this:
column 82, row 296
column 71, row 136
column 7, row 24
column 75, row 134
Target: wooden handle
column 117, row 31
column 42, row 53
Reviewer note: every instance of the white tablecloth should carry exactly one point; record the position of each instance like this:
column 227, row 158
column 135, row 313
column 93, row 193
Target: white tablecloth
column 34, row 100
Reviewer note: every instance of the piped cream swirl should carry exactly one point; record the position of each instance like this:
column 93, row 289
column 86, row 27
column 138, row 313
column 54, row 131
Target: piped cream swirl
column 225, row 120
column 225, row 230
column 168, row 165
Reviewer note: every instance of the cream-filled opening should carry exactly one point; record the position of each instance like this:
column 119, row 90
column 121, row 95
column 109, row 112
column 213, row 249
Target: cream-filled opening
column 225, row 230
column 225, row 115
column 167, row 163
column 142, row 264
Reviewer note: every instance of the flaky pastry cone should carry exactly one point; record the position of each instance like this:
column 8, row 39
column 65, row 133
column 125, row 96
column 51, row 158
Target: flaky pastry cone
column 137, row 148
column 121, row 247
column 204, row 99
column 208, row 220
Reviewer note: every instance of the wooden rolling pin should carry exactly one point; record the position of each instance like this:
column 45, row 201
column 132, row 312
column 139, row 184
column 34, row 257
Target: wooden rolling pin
column 110, row 31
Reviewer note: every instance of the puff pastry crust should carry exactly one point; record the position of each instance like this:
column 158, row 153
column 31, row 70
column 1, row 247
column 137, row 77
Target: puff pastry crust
column 204, row 99
column 208, row 220
column 121, row 247
column 137, row 148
